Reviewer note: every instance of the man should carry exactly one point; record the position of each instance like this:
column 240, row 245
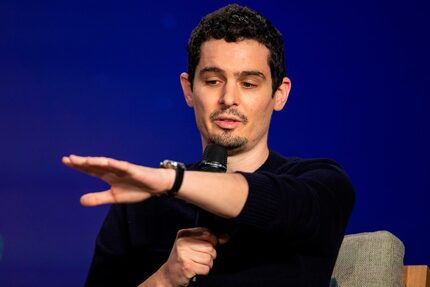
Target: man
column 284, row 217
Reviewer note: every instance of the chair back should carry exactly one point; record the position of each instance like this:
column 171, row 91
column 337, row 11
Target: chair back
column 372, row 259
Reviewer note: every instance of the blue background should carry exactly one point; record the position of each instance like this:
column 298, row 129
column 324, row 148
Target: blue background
column 102, row 78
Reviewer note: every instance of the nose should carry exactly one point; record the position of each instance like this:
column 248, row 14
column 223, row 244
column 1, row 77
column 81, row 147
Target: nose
column 230, row 95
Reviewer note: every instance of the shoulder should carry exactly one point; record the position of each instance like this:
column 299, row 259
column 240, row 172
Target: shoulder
column 297, row 165
column 319, row 171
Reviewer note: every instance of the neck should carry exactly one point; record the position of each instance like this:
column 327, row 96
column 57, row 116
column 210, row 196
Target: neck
column 248, row 160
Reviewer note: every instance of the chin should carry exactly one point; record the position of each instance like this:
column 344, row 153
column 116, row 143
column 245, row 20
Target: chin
column 233, row 144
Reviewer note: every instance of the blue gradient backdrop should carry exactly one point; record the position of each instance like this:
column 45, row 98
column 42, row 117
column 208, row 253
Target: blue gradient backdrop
column 101, row 78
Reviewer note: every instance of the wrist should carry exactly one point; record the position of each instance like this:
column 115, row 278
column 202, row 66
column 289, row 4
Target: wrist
column 167, row 178
column 158, row 279
column 163, row 279
column 179, row 169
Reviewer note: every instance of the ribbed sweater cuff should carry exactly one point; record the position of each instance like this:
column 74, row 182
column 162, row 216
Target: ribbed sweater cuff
column 262, row 204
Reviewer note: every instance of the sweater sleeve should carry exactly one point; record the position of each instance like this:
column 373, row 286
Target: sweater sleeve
column 116, row 261
column 298, row 200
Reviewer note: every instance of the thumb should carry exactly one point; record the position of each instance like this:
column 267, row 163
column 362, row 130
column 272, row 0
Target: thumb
column 223, row 238
column 97, row 198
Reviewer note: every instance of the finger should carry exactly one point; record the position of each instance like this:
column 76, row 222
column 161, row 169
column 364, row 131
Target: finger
column 191, row 231
column 119, row 165
column 98, row 198
column 189, row 245
column 104, row 162
column 203, row 247
column 223, row 238
column 203, row 257
column 191, row 269
column 97, row 161
column 199, row 233
column 209, row 237
column 66, row 160
column 200, row 257
column 79, row 163
column 77, row 160
column 201, row 269
column 103, row 165
column 110, row 197
column 90, row 170
column 88, row 161
column 96, row 166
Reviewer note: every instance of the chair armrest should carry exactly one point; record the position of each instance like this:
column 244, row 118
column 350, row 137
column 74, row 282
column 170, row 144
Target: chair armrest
column 416, row 276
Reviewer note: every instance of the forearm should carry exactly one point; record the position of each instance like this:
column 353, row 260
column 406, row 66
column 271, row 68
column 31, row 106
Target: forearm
column 219, row 193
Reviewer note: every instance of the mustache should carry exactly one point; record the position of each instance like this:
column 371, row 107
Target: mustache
column 233, row 112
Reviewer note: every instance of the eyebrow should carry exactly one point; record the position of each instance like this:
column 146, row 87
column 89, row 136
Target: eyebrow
column 252, row 73
column 217, row 70
column 211, row 69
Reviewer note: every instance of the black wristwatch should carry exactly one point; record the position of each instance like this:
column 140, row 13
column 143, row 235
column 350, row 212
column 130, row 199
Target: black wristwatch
column 180, row 168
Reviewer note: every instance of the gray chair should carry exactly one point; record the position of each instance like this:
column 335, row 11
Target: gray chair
column 374, row 259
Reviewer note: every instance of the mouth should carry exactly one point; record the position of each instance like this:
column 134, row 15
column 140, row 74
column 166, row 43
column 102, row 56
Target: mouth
column 228, row 119
column 227, row 122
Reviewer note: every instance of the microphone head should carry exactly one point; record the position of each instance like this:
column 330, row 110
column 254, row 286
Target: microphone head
column 214, row 158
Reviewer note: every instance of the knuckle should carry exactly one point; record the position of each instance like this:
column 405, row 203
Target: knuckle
column 179, row 241
column 205, row 270
column 182, row 233
column 180, row 249
column 209, row 244
column 179, row 233
column 187, row 267
column 201, row 229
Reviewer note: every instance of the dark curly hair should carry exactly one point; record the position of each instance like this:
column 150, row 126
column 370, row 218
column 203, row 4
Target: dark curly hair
column 235, row 23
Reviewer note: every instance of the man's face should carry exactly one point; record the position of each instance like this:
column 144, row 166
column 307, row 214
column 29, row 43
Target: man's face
column 232, row 94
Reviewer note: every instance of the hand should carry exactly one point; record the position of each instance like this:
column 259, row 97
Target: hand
column 129, row 182
column 192, row 254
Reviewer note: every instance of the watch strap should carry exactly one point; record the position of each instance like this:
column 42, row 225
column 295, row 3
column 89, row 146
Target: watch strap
column 179, row 175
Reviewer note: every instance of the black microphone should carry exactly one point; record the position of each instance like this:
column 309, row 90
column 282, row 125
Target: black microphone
column 214, row 160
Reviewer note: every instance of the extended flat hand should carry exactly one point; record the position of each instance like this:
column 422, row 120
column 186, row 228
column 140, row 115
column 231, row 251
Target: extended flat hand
column 129, row 182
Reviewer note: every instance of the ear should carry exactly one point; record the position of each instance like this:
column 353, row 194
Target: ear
column 281, row 94
column 186, row 89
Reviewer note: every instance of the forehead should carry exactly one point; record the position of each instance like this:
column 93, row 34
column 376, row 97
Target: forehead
column 244, row 55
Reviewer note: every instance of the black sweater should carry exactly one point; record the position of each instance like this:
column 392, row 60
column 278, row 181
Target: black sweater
column 288, row 233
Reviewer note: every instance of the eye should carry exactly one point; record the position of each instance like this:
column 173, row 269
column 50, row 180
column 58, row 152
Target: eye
column 212, row 82
column 248, row 85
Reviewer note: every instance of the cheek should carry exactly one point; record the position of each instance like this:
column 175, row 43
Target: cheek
column 203, row 106
column 260, row 115
column 201, row 112
column 262, row 109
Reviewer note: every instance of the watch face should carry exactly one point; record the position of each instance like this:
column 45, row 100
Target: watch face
column 171, row 164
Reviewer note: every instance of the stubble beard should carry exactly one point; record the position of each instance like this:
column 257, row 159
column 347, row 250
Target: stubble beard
column 229, row 141
column 226, row 138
